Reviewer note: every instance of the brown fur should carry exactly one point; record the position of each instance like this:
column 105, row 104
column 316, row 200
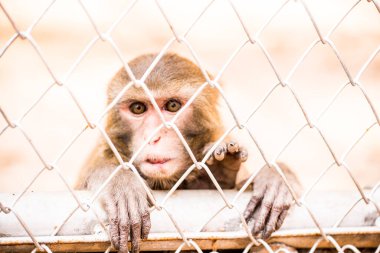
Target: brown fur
column 125, row 199
column 169, row 75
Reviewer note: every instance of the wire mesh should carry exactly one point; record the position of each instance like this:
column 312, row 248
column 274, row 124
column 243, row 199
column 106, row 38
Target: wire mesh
column 251, row 40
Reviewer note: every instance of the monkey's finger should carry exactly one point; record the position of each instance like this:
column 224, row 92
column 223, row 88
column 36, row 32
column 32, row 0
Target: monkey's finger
column 232, row 147
column 280, row 207
column 146, row 224
column 257, row 196
column 243, row 155
column 135, row 221
column 220, row 152
column 135, row 236
column 210, row 161
column 286, row 201
column 248, row 212
column 281, row 219
column 123, row 226
column 271, row 223
column 111, row 208
column 144, row 216
column 265, row 208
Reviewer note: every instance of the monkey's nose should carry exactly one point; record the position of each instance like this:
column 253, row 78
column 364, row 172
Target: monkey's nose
column 155, row 139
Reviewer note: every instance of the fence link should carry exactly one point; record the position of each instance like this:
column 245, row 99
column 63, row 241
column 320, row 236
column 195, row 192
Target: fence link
column 251, row 40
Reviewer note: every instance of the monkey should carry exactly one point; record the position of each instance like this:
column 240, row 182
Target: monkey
column 164, row 159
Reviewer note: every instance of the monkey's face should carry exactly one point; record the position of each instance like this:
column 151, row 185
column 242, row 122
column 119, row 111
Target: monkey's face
column 135, row 121
column 164, row 154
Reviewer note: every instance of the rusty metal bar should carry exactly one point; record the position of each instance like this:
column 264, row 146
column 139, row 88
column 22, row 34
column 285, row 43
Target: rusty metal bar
column 364, row 237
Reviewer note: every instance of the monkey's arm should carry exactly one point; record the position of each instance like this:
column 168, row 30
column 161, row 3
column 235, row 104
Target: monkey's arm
column 125, row 201
column 270, row 201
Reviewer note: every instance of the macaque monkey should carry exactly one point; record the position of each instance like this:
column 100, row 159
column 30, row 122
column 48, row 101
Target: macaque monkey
column 164, row 159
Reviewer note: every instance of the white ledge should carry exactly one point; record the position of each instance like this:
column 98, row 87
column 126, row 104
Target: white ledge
column 43, row 212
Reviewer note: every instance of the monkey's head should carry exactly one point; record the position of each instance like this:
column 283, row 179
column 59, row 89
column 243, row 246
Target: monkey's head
column 134, row 120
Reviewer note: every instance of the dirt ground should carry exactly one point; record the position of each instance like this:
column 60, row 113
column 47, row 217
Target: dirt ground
column 65, row 31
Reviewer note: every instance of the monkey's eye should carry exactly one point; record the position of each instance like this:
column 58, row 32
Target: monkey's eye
column 137, row 108
column 173, row 105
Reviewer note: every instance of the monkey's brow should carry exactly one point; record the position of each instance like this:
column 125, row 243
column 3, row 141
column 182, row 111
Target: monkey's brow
column 158, row 100
column 157, row 95
column 134, row 96
column 128, row 99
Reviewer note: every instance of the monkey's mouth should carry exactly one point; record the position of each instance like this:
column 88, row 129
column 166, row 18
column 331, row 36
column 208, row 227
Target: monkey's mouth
column 156, row 167
column 157, row 161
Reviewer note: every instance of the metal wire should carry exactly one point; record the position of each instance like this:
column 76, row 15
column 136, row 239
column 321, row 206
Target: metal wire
column 251, row 40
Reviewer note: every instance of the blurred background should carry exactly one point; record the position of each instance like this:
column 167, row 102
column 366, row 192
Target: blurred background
column 64, row 32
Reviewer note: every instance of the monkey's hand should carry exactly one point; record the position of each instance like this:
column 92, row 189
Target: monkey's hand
column 125, row 201
column 270, row 202
column 228, row 155
column 225, row 162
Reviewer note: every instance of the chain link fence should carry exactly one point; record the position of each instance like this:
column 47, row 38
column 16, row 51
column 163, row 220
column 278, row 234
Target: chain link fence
column 87, row 203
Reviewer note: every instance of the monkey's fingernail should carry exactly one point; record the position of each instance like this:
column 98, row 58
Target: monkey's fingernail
column 219, row 155
column 233, row 147
column 220, row 152
column 243, row 155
